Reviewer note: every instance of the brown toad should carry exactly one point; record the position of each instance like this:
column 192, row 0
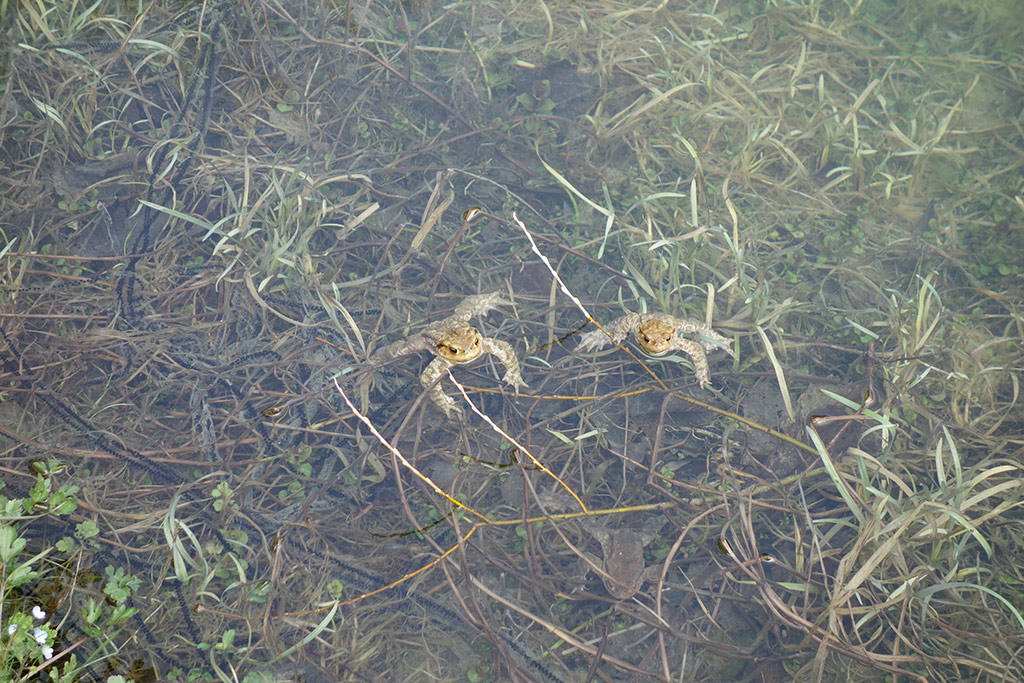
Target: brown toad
column 454, row 341
column 623, row 550
column 657, row 334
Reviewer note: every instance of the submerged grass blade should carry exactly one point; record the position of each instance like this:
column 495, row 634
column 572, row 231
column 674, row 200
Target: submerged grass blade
column 926, row 595
column 780, row 376
column 837, row 478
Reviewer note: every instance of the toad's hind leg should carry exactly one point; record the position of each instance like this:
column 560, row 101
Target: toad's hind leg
column 400, row 348
column 614, row 333
column 479, row 304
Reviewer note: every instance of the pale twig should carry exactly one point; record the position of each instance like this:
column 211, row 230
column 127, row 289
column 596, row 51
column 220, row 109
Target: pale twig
column 544, row 259
column 515, row 443
column 401, row 458
column 575, row 299
column 560, row 632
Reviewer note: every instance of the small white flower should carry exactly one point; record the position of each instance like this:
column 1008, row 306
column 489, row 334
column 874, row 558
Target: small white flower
column 40, row 636
column 38, row 613
column 12, row 629
column 47, row 652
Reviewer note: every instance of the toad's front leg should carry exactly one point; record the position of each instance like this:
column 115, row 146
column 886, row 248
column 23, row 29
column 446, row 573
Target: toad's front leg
column 429, row 380
column 700, row 360
column 504, row 352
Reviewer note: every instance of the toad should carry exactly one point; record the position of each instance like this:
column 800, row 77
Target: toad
column 657, row 334
column 455, row 342
column 623, row 551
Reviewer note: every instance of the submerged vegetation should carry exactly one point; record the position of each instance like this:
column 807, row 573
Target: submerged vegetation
column 212, row 216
